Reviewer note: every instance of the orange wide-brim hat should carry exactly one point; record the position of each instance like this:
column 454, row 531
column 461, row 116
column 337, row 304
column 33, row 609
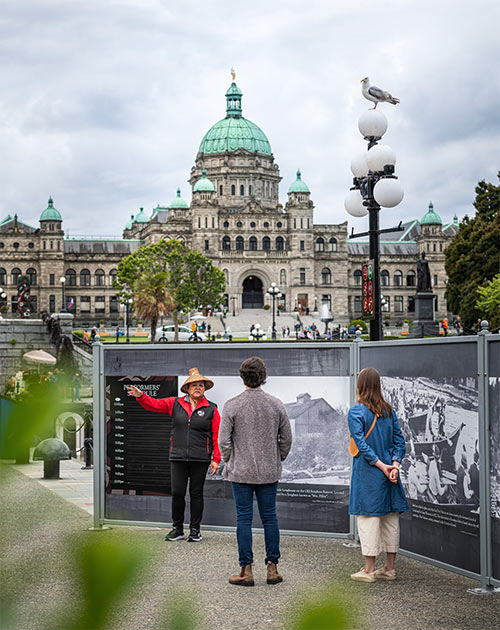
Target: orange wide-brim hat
column 196, row 377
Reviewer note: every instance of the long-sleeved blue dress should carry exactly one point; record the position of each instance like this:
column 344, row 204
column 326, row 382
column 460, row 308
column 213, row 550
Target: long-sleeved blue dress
column 372, row 494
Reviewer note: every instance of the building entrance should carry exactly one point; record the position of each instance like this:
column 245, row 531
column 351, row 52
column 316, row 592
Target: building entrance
column 253, row 296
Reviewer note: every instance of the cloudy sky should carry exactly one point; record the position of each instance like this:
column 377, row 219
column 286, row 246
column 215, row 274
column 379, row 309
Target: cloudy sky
column 103, row 103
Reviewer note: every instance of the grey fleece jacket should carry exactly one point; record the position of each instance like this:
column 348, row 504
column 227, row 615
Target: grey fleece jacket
column 255, row 436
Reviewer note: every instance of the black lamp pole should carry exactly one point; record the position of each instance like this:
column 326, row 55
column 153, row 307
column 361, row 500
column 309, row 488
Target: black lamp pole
column 127, row 303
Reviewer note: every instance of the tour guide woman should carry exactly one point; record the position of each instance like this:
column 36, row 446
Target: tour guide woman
column 377, row 496
column 193, row 447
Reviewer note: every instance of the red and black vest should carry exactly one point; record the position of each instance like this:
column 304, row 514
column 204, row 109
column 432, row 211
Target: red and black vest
column 191, row 438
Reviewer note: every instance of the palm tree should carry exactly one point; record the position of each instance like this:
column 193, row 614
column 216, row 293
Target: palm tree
column 152, row 299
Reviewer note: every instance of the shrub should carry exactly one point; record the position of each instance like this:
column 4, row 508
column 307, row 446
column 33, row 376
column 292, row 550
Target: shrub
column 359, row 322
column 13, row 342
column 266, row 307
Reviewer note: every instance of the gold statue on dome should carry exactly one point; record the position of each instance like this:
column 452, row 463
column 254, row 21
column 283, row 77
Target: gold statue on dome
column 233, row 74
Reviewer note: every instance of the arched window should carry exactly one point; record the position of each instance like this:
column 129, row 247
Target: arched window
column 398, row 278
column 242, row 190
column 85, row 278
column 253, row 244
column 240, row 243
column 112, row 276
column 226, row 275
column 266, row 224
column 319, row 245
column 358, row 277
column 239, row 224
column 99, row 278
column 250, row 189
column 253, row 224
column 326, row 276
column 333, row 244
column 226, row 243
column 233, row 189
column 70, row 278
column 226, row 224
column 280, row 243
column 283, row 278
column 410, row 278
column 3, row 276
column 15, row 273
column 266, row 243
column 384, row 278
column 279, row 224
column 31, row 273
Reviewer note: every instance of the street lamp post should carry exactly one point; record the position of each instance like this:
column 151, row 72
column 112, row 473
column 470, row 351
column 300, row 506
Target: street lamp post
column 257, row 333
column 62, row 280
column 127, row 306
column 374, row 186
column 274, row 292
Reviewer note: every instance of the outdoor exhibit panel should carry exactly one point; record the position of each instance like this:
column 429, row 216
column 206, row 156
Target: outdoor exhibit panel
column 312, row 381
column 432, row 386
column 494, row 421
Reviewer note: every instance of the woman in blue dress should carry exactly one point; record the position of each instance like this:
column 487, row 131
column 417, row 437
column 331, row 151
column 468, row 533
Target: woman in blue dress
column 377, row 496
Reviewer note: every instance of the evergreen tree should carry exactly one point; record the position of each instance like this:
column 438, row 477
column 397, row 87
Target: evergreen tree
column 489, row 302
column 473, row 256
column 188, row 278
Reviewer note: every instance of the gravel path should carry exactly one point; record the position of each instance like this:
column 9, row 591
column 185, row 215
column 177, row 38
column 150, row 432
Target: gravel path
column 40, row 531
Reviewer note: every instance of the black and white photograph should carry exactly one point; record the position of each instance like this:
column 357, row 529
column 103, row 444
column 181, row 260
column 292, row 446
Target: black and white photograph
column 314, row 489
column 439, row 419
column 440, row 473
column 494, row 403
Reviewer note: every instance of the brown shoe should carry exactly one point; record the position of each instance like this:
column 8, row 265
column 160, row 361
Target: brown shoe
column 244, row 577
column 273, row 577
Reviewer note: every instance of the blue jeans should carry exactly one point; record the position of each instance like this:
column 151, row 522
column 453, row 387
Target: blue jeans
column 266, row 501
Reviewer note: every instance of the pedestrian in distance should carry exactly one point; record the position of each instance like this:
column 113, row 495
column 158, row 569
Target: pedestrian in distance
column 255, row 437
column 194, row 447
column 117, row 334
column 377, row 496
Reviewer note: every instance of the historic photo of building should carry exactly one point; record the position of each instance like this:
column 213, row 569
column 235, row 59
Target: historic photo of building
column 235, row 218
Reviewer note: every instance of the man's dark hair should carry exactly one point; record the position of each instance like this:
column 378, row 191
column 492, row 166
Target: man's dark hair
column 253, row 372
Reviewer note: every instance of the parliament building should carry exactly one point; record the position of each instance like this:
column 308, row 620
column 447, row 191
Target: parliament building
column 236, row 219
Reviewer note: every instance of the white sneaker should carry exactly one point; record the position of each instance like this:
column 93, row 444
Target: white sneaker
column 362, row 576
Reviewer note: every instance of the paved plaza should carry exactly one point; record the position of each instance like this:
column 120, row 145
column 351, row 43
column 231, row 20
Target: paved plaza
column 44, row 520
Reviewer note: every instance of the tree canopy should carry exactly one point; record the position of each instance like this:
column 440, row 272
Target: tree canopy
column 473, row 256
column 489, row 302
column 180, row 274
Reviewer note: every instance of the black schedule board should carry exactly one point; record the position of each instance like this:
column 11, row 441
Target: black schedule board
column 137, row 439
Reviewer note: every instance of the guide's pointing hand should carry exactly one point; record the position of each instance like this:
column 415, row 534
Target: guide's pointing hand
column 134, row 391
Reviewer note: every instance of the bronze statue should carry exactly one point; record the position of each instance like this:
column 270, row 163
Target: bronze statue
column 423, row 276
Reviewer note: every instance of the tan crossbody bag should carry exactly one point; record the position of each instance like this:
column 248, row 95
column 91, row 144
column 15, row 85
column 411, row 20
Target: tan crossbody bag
column 353, row 449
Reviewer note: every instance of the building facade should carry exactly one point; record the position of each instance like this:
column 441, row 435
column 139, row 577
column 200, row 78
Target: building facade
column 236, row 219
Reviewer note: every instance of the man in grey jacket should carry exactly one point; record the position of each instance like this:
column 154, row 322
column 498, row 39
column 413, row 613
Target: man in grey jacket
column 255, row 436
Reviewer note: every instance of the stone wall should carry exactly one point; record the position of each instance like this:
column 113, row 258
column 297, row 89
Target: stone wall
column 31, row 334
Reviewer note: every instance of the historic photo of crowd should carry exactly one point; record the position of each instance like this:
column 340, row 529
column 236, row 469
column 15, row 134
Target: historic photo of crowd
column 495, row 445
column 439, row 419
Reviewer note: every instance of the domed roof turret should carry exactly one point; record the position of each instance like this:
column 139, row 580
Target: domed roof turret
column 204, row 184
column 235, row 132
column 430, row 217
column 141, row 217
column 179, row 202
column 299, row 185
column 50, row 213
column 129, row 223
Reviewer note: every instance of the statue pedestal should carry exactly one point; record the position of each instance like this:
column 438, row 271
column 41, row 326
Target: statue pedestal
column 424, row 324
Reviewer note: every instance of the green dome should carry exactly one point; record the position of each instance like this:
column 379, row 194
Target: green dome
column 430, row 217
column 203, row 184
column 235, row 132
column 129, row 224
column 179, row 202
column 299, row 185
column 141, row 217
column 50, row 213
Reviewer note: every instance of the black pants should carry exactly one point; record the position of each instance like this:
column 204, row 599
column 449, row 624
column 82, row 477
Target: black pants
column 196, row 473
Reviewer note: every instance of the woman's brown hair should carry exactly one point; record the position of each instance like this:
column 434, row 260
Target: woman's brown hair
column 370, row 393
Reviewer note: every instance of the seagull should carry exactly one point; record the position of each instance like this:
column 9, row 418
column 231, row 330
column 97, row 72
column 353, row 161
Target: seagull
column 376, row 95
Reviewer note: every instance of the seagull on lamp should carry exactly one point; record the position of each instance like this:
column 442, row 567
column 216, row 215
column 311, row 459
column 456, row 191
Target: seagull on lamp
column 376, row 95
